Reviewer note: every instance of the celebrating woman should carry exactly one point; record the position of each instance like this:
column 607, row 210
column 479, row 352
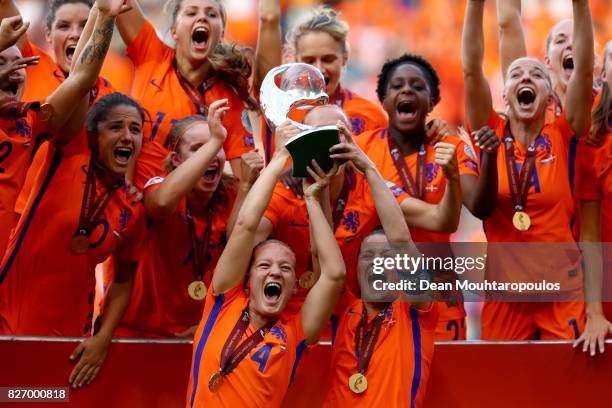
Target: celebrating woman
column 593, row 189
column 65, row 24
column 433, row 174
column 245, row 346
column 172, row 83
column 194, row 205
column 532, row 200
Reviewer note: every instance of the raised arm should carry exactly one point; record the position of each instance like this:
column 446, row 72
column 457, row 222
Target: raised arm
column 480, row 192
column 163, row 201
column 85, row 70
column 234, row 261
column 12, row 30
column 478, row 102
column 268, row 53
column 389, row 212
column 324, row 295
column 9, row 9
column 511, row 37
column 579, row 96
column 250, row 166
column 130, row 23
column 444, row 216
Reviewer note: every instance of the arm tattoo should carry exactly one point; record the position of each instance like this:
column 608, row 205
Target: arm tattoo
column 101, row 41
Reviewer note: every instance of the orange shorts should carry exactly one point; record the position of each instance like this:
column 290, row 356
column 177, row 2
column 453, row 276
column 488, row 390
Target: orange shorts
column 532, row 320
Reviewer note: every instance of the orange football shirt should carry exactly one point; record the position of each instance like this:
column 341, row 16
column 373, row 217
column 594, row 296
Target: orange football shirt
column 18, row 139
column 45, row 288
column 41, row 81
column 160, row 305
column 262, row 377
column 399, row 367
column 549, row 205
column 376, row 146
column 156, row 86
column 289, row 218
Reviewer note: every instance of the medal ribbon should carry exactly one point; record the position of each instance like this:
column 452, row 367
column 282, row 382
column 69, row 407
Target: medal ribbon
column 196, row 94
column 349, row 183
column 414, row 189
column 13, row 110
column 231, row 355
column 90, row 210
column 199, row 249
column 339, row 97
column 519, row 183
column 366, row 337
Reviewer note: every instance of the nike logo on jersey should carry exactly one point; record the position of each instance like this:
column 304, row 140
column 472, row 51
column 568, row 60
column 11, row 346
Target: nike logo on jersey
column 293, row 223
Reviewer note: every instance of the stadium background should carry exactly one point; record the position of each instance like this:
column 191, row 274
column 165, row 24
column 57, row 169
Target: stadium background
column 379, row 30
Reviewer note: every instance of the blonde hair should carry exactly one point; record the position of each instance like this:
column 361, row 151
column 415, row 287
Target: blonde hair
column 173, row 7
column 321, row 19
column 229, row 63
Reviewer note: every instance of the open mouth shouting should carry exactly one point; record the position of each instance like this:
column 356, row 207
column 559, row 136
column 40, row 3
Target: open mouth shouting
column 526, row 97
column 568, row 65
column 123, row 155
column 272, row 292
column 11, row 90
column 69, row 51
column 199, row 38
column 407, row 110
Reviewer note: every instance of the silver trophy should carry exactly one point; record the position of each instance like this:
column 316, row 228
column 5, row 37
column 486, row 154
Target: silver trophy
column 289, row 87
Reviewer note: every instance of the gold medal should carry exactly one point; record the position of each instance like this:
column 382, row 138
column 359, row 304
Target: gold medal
column 46, row 112
column 197, row 290
column 307, row 280
column 215, row 382
column 80, row 244
column 358, row 383
column 521, row 221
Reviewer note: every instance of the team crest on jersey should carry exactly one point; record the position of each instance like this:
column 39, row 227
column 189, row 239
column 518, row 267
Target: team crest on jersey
column 431, row 171
column 543, row 144
column 358, row 125
column 351, row 221
column 21, row 129
column 279, row 332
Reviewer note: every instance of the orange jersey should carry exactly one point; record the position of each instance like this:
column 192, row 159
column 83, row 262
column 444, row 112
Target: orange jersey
column 289, row 217
column 160, row 305
column 549, row 205
column 41, row 81
column 594, row 183
column 18, row 139
column 157, row 87
column 262, row 377
column 363, row 114
column 399, row 367
column 376, row 146
column 45, row 288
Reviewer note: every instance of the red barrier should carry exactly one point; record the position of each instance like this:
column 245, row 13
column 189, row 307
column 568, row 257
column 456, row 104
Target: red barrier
column 464, row 374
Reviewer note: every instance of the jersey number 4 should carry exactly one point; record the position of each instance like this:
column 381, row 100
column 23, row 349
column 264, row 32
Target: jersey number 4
column 261, row 356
